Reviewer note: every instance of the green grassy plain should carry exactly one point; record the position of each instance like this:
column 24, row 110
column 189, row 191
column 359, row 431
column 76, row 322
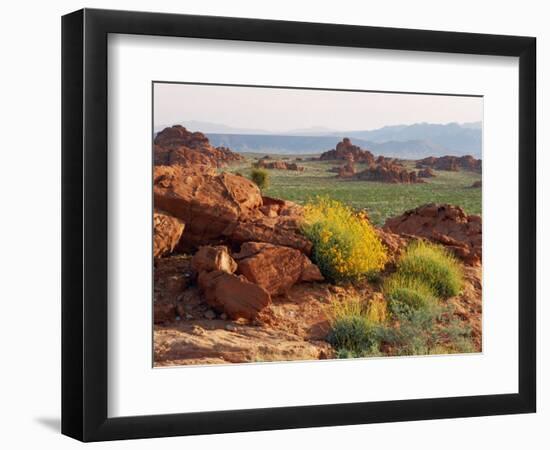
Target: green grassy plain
column 381, row 200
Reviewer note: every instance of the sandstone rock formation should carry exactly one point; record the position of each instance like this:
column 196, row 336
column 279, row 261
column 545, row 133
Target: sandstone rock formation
column 426, row 173
column 451, row 163
column 167, row 231
column 279, row 165
column 177, row 145
column 225, row 208
column 233, row 294
column 446, row 224
column 389, row 173
column 210, row 205
column 275, row 268
column 346, row 150
column 347, row 170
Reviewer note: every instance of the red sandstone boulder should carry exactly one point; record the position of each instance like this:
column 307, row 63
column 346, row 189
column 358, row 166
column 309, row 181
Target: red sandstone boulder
column 279, row 230
column 213, row 258
column 233, row 294
column 167, row 231
column 275, row 268
column 446, row 224
column 394, row 243
column 210, row 205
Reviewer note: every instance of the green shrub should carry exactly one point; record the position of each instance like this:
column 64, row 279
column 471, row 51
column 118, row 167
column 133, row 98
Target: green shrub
column 427, row 331
column 260, row 177
column 433, row 265
column 401, row 290
column 355, row 335
column 355, row 326
column 345, row 244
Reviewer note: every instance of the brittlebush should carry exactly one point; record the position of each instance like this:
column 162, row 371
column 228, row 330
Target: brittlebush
column 345, row 244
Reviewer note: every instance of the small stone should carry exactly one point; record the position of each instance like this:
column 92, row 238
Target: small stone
column 178, row 318
column 230, row 327
column 210, row 315
column 223, row 316
column 188, row 316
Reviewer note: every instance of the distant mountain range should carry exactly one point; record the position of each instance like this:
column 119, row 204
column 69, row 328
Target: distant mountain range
column 402, row 141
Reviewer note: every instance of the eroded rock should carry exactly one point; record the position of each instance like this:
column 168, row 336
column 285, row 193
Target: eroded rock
column 167, row 231
column 233, row 294
column 446, row 224
column 275, row 268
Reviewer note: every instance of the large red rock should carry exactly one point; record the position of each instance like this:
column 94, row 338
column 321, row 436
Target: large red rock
column 446, row 224
column 167, row 231
column 233, row 294
column 389, row 173
column 275, row 268
column 213, row 258
column 345, row 150
column 177, row 145
column 279, row 165
column 210, row 205
column 451, row 163
column 278, row 230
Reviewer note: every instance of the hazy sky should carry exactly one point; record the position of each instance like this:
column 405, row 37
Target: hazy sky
column 279, row 110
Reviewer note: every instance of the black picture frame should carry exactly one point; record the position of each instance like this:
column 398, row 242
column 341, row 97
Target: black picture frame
column 84, row 224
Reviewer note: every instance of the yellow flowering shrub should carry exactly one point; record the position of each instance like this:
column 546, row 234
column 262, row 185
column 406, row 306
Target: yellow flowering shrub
column 345, row 244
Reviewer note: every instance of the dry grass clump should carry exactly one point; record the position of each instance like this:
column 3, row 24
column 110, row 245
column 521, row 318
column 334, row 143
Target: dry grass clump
column 356, row 326
column 432, row 265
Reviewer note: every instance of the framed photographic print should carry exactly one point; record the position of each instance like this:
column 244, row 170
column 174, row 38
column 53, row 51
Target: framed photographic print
column 273, row 224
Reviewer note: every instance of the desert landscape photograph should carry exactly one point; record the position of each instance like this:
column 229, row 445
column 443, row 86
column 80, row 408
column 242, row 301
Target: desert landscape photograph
column 294, row 224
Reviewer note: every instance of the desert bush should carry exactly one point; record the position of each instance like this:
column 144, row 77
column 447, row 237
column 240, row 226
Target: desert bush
column 260, row 177
column 405, row 292
column 427, row 331
column 355, row 327
column 433, row 265
column 345, row 244
column 355, row 336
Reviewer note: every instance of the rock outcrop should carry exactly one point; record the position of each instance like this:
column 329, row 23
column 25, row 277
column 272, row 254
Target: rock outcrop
column 426, row 173
column 451, row 163
column 347, row 170
column 167, row 231
column 210, row 205
column 345, row 150
column 446, row 224
column 274, row 267
column 225, row 208
column 278, row 165
column 389, row 173
column 177, row 145
column 233, row 294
